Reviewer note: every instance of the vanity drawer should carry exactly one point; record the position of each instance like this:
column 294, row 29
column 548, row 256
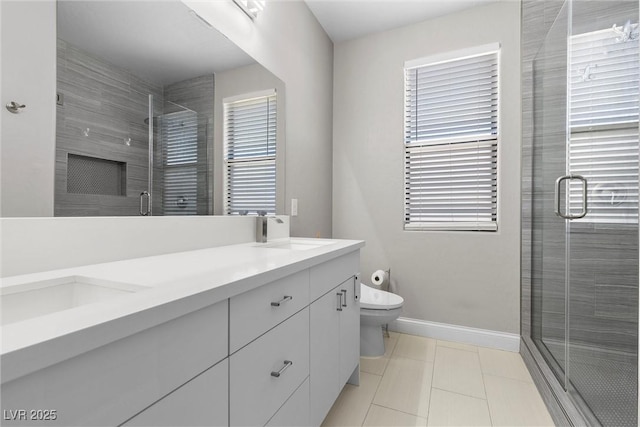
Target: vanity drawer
column 330, row 274
column 253, row 313
column 203, row 401
column 255, row 394
column 295, row 411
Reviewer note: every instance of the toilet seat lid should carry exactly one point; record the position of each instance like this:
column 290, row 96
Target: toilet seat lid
column 374, row 299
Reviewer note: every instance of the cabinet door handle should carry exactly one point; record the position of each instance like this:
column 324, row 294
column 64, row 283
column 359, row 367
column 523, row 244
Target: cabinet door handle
column 344, row 302
column 277, row 374
column 285, row 299
column 356, row 286
column 339, row 294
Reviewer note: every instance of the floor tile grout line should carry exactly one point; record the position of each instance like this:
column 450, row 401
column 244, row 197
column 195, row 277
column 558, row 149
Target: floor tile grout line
column 398, row 410
column 368, row 409
column 458, row 393
column 509, row 378
column 390, row 354
column 457, row 348
column 484, row 387
column 433, row 372
column 376, row 392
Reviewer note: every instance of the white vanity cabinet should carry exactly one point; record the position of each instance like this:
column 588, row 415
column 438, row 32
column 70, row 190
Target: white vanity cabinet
column 334, row 333
column 203, row 401
column 277, row 355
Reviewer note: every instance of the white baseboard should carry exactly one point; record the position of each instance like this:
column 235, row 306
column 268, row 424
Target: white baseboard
column 463, row 334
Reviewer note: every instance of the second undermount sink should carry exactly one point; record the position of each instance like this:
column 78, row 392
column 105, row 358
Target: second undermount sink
column 34, row 299
column 298, row 244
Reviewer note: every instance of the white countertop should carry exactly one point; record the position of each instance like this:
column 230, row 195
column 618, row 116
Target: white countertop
column 178, row 283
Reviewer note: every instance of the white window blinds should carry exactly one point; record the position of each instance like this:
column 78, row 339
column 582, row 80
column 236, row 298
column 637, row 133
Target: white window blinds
column 603, row 142
column 180, row 158
column 250, row 154
column 451, row 142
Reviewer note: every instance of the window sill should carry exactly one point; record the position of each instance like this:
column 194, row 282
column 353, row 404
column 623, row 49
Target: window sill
column 452, row 226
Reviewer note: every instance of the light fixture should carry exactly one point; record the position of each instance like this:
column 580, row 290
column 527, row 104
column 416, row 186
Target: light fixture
column 251, row 7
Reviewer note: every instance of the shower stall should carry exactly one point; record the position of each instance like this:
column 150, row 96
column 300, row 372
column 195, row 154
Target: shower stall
column 126, row 145
column 580, row 207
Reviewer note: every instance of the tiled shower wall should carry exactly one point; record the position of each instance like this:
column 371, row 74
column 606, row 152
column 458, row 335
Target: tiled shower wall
column 103, row 115
column 103, row 106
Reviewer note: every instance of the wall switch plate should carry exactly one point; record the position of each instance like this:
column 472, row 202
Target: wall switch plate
column 294, row 207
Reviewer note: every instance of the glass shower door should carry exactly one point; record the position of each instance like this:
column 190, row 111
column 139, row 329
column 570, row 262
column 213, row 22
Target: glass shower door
column 602, row 251
column 585, row 207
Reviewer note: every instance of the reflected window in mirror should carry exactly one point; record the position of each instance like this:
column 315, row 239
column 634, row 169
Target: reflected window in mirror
column 250, row 134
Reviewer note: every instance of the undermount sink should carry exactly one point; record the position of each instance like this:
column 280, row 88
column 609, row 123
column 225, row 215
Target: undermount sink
column 298, row 244
column 34, row 299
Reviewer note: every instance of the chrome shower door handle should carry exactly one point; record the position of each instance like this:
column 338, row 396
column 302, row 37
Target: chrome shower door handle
column 339, row 294
column 344, row 301
column 569, row 215
column 148, row 210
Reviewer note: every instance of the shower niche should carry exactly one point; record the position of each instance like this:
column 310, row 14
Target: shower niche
column 90, row 175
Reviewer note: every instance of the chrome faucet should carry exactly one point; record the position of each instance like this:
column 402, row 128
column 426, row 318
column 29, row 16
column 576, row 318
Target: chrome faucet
column 261, row 225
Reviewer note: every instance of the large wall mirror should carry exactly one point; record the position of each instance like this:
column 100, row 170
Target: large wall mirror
column 160, row 114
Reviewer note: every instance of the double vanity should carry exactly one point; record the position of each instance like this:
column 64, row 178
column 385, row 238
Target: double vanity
column 246, row 334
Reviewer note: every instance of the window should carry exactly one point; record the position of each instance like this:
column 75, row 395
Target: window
column 451, row 141
column 603, row 140
column 250, row 153
column 180, row 158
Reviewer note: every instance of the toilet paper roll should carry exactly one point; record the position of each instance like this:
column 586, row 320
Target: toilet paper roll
column 379, row 277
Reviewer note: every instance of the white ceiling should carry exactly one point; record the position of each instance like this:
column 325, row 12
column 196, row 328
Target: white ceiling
column 162, row 41
column 349, row 19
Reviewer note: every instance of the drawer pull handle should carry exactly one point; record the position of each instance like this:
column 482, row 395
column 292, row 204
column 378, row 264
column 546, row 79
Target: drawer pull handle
column 277, row 374
column 285, row 299
column 339, row 294
column 344, row 302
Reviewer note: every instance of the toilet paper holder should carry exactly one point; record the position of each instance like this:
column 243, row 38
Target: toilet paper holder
column 382, row 278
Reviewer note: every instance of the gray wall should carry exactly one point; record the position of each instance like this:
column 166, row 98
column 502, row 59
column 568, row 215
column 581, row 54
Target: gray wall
column 27, row 155
column 251, row 78
column 288, row 40
column 462, row 278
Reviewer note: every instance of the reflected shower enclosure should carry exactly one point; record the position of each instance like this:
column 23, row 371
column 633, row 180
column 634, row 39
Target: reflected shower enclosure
column 584, row 211
column 111, row 159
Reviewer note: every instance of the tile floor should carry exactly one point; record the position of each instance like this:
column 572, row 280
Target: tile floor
column 422, row 381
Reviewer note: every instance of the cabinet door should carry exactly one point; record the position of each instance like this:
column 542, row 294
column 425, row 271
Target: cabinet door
column 203, row 401
column 324, row 373
column 349, row 330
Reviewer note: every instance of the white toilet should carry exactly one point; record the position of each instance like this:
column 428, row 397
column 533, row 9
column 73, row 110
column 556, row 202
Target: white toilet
column 377, row 308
